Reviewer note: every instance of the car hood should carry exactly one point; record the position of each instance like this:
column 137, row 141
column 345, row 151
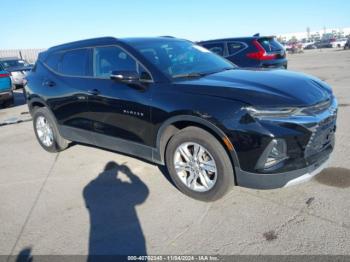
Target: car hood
column 262, row 87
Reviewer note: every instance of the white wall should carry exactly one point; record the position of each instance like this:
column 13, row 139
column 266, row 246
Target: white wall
column 28, row 54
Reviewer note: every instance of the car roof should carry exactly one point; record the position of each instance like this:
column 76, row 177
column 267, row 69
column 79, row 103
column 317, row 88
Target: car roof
column 244, row 38
column 103, row 41
column 107, row 41
column 84, row 43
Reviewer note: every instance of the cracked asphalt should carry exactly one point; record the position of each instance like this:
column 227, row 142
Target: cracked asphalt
column 86, row 200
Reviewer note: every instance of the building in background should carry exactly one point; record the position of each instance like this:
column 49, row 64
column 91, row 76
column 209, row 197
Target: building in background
column 30, row 55
column 309, row 35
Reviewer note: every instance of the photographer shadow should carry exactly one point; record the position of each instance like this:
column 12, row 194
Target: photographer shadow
column 114, row 226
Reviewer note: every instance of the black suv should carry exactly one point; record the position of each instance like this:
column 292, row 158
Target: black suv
column 255, row 51
column 173, row 102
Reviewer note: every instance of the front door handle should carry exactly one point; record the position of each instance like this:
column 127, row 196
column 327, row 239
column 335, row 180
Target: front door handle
column 94, row 92
column 49, row 83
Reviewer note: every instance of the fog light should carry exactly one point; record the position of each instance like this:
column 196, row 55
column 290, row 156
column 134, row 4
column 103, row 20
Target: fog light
column 278, row 153
column 275, row 152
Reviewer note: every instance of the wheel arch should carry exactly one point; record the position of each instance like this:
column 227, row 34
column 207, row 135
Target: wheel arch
column 171, row 126
column 34, row 102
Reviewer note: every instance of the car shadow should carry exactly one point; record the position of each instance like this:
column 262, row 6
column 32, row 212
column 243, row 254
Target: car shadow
column 335, row 177
column 114, row 225
column 162, row 168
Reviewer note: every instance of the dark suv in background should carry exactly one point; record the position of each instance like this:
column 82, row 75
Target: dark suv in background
column 177, row 104
column 255, row 51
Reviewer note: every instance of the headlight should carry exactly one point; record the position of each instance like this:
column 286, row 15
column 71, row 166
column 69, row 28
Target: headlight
column 274, row 112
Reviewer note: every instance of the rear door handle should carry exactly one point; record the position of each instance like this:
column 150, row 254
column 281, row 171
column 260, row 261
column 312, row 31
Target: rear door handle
column 49, row 83
column 94, row 92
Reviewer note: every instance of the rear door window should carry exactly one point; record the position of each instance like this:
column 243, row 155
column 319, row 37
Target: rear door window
column 217, row 48
column 75, row 63
column 235, row 47
column 270, row 44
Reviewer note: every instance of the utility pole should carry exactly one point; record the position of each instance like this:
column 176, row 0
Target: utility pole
column 308, row 33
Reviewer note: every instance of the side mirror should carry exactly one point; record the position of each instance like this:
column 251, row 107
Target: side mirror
column 128, row 77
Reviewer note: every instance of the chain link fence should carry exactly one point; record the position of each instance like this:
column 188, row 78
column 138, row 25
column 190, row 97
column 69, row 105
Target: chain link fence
column 30, row 55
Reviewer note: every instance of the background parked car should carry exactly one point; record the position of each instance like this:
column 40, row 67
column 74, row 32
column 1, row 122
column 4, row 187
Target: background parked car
column 18, row 69
column 340, row 43
column 255, row 51
column 6, row 93
column 310, row 46
column 347, row 44
column 324, row 44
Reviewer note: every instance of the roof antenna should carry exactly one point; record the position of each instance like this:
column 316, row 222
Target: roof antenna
column 257, row 35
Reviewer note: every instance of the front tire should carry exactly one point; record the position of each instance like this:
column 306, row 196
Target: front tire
column 46, row 131
column 199, row 165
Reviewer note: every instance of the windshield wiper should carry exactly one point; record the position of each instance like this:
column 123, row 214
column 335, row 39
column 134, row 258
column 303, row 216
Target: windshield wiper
column 197, row 74
column 222, row 70
column 189, row 75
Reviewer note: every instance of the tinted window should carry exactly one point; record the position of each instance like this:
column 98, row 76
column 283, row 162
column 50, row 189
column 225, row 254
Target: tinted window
column 53, row 60
column 14, row 63
column 74, row 63
column 217, row 48
column 112, row 58
column 178, row 58
column 234, row 47
column 270, row 44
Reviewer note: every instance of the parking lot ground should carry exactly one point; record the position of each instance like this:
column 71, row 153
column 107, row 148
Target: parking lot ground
column 89, row 201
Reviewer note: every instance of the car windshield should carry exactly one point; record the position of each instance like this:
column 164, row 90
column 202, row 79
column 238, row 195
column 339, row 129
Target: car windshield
column 182, row 59
column 13, row 63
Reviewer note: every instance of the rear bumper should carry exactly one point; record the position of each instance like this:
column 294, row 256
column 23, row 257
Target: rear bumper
column 276, row 64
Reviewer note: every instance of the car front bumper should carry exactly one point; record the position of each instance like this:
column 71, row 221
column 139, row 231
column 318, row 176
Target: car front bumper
column 310, row 141
column 285, row 179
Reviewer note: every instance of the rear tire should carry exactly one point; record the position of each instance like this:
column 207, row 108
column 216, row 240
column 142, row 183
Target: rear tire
column 10, row 102
column 208, row 174
column 46, row 131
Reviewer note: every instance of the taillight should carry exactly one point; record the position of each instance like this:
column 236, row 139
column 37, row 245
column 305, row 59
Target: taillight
column 261, row 54
column 4, row 75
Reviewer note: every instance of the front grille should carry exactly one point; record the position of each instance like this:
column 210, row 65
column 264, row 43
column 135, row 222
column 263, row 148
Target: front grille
column 323, row 132
column 322, row 136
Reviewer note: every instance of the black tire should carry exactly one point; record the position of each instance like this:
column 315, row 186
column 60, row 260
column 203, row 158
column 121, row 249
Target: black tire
column 225, row 173
column 59, row 143
column 10, row 102
column 24, row 94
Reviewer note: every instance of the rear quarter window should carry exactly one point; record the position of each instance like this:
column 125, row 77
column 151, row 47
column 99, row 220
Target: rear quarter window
column 53, row 61
column 217, row 48
column 74, row 63
column 235, row 47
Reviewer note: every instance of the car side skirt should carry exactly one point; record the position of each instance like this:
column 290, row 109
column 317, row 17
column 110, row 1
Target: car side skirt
column 111, row 143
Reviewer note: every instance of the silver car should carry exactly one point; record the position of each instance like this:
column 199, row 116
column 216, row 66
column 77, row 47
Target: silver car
column 17, row 68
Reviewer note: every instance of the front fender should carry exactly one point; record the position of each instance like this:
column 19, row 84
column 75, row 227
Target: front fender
column 196, row 120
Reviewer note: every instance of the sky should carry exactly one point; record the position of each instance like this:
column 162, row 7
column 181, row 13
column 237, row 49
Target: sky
column 44, row 23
